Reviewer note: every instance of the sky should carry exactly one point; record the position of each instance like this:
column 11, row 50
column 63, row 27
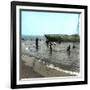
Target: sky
column 40, row 23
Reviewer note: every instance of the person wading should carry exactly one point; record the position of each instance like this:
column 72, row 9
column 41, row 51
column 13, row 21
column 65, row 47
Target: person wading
column 68, row 50
column 37, row 43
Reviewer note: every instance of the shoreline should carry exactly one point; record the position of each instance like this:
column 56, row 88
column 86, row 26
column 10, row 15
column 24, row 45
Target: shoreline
column 32, row 68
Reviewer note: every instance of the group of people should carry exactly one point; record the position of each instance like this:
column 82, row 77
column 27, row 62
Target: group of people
column 69, row 47
column 50, row 44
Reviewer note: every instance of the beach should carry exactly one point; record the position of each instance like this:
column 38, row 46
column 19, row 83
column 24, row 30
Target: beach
column 35, row 69
column 41, row 62
column 28, row 72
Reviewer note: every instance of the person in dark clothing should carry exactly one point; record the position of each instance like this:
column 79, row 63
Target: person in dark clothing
column 47, row 42
column 36, row 43
column 73, row 46
column 68, row 48
column 50, row 45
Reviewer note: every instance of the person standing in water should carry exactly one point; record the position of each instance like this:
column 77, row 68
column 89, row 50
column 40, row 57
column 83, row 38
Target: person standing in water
column 37, row 43
column 50, row 45
column 68, row 50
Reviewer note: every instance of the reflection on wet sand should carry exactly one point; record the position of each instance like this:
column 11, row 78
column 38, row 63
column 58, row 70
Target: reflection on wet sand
column 49, row 60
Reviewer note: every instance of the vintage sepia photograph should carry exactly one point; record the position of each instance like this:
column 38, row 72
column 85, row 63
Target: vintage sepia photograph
column 49, row 44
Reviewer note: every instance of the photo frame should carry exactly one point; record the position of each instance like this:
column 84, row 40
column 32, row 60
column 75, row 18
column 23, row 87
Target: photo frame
column 48, row 44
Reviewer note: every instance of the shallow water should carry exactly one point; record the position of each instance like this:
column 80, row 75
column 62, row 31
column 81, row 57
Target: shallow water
column 58, row 56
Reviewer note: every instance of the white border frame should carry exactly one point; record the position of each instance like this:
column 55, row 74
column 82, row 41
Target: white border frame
column 56, row 79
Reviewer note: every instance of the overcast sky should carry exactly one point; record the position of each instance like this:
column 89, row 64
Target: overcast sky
column 40, row 23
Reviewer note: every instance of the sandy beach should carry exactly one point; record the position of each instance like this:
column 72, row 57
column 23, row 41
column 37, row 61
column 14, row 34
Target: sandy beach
column 31, row 68
column 28, row 72
column 41, row 63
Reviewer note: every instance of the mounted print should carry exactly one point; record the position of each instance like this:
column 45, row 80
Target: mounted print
column 48, row 44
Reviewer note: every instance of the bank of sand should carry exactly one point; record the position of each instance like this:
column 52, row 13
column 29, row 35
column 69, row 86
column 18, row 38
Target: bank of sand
column 33, row 68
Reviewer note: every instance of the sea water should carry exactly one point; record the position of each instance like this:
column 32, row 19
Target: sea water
column 58, row 58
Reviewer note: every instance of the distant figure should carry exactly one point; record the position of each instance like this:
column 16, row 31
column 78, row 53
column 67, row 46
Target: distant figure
column 50, row 45
column 47, row 42
column 36, row 43
column 68, row 48
column 54, row 43
column 73, row 46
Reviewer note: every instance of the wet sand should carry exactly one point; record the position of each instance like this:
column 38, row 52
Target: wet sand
column 28, row 72
column 32, row 68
